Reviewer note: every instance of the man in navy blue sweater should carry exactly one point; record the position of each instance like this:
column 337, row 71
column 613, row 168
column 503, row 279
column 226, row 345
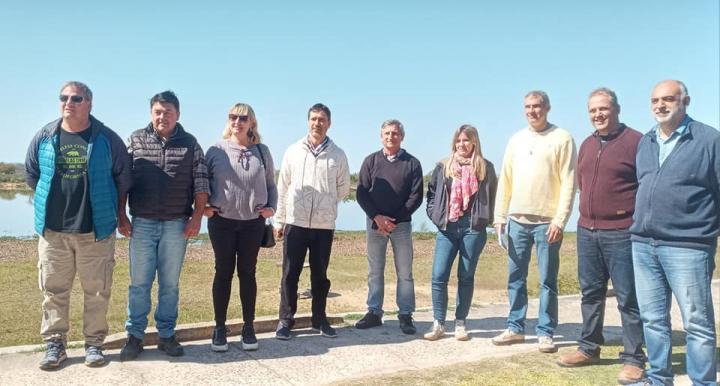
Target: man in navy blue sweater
column 390, row 189
column 674, row 234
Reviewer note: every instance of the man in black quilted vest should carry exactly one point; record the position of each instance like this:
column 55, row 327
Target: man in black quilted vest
column 170, row 190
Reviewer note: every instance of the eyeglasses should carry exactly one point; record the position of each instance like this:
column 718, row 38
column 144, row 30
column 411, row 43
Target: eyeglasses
column 73, row 98
column 241, row 118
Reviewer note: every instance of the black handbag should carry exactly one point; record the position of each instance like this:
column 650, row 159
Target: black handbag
column 268, row 239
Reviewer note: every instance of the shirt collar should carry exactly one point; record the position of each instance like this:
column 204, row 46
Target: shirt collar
column 395, row 156
column 678, row 132
column 612, row 135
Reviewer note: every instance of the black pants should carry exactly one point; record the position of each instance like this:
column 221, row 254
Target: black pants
column 297, row 242
column 603, row 255
column 235, row 243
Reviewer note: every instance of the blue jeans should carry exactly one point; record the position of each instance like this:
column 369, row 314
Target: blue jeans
column 604, row 255
column 457, row 237
column 155, row 246
column 660, row 272
column 521, row 238
column 402, row 246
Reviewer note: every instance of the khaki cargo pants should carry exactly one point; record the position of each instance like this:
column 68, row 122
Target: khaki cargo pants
column 60, row 256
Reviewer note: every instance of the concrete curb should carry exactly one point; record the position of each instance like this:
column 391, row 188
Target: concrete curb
column 183, row 333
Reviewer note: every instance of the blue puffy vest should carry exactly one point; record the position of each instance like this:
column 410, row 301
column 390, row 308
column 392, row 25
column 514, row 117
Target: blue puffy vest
column 103, row 192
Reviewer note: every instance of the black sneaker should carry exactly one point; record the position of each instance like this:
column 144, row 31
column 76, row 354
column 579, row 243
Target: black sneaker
column 249, row 341
column 406, row 324
column 132, row 348
column 94, row 356
column 368, row 321
column 54, row 356
column 325, row 329
column 283, row 332
column 219, row 339
column 171, row 347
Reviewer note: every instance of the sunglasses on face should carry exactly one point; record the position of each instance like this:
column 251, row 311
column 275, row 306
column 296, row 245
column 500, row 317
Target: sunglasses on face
column 241, row 118
column 73, row 98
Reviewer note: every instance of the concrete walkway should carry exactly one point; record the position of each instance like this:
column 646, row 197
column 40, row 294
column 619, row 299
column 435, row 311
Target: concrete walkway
column 311, row 359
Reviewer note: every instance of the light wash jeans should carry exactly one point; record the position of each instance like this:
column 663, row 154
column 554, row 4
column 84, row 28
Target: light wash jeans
column 458, row 237
column 401, row 242
column 155, row 246
column 660, row 272
column 521, row 238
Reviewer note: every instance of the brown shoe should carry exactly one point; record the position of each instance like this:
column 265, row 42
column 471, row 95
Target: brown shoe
column 575, row 359
column 630, row 374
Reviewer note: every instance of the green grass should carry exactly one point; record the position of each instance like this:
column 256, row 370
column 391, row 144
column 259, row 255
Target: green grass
column 524, row 369
column 21, row 298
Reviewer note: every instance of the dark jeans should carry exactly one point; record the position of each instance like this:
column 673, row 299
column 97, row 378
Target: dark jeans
column 296, row 243
column 603, row 255
column 235, row 243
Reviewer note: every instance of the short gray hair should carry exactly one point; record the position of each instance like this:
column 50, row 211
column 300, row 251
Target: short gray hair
column 683, row 89
column 80, row 86
column 396, row 123
column 605, row 91
column 541, row 94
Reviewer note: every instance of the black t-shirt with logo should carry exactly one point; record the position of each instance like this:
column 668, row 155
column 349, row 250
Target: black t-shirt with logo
column 68, row 206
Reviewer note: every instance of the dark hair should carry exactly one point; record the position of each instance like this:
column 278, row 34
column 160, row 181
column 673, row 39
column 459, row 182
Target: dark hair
column 318, row 107
column 166, row 97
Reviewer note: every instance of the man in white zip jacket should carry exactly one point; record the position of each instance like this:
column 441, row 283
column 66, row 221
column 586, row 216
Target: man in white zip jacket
column 314, row 177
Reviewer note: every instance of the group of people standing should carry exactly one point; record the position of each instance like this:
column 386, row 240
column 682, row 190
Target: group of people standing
column 649, row 222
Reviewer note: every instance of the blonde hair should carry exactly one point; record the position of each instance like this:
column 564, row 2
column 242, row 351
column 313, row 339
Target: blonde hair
column 243, row 109
column 477, row 160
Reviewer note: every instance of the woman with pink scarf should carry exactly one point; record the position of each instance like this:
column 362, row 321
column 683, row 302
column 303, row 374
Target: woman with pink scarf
column 460, row 202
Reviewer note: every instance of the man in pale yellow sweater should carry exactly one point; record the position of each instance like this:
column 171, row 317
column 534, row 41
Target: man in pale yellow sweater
column 535, row 194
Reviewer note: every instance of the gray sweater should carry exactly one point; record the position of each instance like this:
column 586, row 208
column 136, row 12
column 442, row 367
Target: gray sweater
column 240, row 186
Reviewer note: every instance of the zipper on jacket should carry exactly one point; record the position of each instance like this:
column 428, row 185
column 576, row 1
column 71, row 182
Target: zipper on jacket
column 312, row 198
column 87, row 165
column 680, row 141
column 162, row 154
column 592, row 184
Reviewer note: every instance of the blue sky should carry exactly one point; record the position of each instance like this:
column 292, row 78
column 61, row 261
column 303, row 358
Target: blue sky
column 433, row 66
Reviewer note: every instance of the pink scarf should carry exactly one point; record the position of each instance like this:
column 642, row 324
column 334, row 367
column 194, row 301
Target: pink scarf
column 464, row 185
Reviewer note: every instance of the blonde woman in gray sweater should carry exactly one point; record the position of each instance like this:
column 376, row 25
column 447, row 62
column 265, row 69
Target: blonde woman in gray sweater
column 242, row 195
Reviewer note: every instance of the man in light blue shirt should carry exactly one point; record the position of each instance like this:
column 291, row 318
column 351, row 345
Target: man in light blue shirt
column 674, row 234
column 667, row 144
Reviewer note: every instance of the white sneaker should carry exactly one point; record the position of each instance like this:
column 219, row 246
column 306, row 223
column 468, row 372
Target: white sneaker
column 436, row 331
column 546, row 345
column 460, row 332
column 508, row 337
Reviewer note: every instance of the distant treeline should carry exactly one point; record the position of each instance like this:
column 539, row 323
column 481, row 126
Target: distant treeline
column 14, row 173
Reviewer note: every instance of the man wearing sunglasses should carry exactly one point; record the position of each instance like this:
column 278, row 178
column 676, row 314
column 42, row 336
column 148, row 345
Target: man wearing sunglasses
column 314, row 176
column 78, row 169
column 170, row 190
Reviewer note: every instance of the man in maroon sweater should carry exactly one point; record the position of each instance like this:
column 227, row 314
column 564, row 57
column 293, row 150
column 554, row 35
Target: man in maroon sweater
column 607, row 184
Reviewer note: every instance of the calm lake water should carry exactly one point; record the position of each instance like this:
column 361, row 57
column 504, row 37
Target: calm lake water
column 17, row 216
